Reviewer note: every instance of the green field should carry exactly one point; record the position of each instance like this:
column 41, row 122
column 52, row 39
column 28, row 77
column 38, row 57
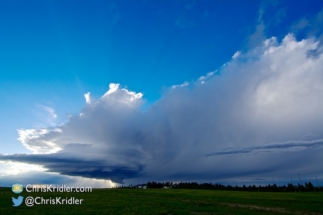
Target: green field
column 171, row 201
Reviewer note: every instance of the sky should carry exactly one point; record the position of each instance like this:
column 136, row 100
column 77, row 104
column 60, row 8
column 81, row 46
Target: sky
column 102, row 93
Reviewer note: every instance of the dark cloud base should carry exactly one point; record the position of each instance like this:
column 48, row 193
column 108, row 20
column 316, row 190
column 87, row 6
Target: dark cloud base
column 76, row 167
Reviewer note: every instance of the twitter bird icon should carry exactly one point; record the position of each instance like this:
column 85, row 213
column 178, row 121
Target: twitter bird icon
column 18, row 201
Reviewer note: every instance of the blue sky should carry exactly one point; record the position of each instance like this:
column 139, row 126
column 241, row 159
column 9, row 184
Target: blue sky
column 55, row 52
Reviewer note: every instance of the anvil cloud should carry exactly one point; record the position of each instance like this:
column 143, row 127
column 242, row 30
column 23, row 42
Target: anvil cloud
column 259, row 115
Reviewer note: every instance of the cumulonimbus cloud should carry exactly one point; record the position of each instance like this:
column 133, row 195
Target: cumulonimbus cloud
column 268, row 99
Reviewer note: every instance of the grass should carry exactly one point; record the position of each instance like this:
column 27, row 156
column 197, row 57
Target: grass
column 171, row 201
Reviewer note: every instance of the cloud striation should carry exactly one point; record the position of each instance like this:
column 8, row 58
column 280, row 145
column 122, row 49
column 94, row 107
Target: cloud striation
column 260, row 115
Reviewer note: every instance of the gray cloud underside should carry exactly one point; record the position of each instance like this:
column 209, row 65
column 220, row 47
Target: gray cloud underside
column 65, row 164
column 290, row 145
column 241, row 121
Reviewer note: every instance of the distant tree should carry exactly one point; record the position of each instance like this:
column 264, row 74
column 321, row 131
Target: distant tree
column 290, row 188
column 217, row 186
column 300, row 188
column 229, row 187
column 309, row 186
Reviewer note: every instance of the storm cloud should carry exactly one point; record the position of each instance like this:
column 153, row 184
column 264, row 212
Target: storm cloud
column 259, row 115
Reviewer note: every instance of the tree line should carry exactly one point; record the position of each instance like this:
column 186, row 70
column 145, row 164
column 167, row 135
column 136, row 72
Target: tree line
column 307, row 187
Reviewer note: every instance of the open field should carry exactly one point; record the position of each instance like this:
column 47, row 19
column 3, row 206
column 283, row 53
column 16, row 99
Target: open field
column 171, row 201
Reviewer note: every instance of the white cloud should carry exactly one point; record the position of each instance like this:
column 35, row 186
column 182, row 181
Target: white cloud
column 186, row 83
column 87, row 97
column 236, row 54
column 207, row 76
column 112, row 88
column 121, row 95
column 50, row 111
column 34, row 140
column 271, row 94
column 46, row 115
